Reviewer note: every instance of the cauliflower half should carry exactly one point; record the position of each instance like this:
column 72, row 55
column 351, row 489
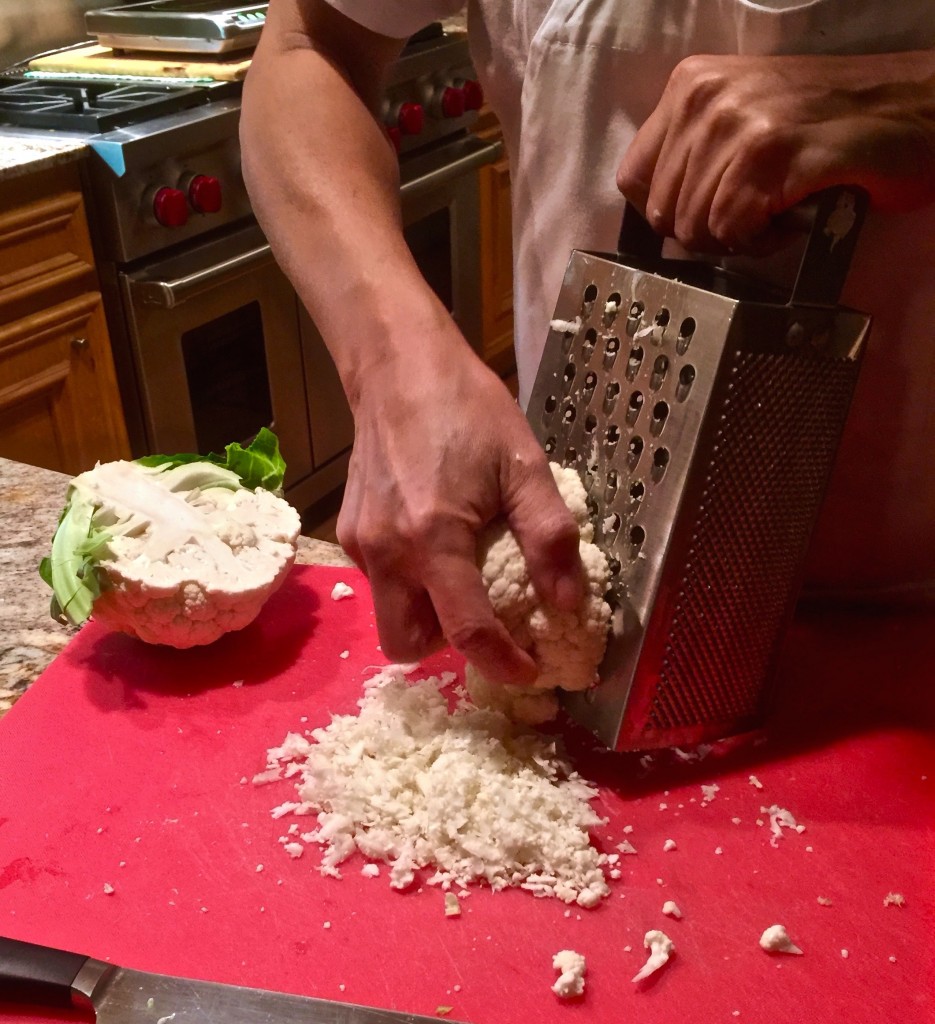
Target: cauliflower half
column 566, row 646
column 171, row 550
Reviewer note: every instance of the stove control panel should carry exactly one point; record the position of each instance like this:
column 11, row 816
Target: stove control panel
column 433, row 93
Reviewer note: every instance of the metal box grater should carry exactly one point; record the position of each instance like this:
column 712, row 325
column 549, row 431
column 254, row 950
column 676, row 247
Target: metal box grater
column 703, row 413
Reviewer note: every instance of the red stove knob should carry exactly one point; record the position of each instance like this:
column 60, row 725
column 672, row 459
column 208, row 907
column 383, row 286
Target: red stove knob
column 170, row 207
column 473, row 95
column 452, row 103
column 395, row 136
column 411, row 118
column 204, row 193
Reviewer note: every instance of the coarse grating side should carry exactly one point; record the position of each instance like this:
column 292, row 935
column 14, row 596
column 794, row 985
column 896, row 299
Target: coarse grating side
column 779, row 425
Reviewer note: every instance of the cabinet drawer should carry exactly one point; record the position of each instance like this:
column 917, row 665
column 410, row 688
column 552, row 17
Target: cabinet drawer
column 42, row 223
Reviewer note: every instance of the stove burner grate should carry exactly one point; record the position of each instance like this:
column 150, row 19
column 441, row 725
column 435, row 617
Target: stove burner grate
column 92, row 106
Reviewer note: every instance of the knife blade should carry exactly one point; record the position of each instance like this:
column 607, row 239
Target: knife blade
column 43, row 976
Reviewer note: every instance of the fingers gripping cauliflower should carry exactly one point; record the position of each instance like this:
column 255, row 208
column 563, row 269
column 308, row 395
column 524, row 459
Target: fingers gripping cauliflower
column 178, row 552
column 566, row 646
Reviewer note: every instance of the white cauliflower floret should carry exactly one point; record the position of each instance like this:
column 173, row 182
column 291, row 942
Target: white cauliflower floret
column 566, row 646
column 175, row 554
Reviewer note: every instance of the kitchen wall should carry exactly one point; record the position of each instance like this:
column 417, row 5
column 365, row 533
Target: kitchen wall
column 28, row 27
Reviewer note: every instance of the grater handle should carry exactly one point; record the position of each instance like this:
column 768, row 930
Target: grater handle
column 832, row 217
column 838, row 218
column 638, row 242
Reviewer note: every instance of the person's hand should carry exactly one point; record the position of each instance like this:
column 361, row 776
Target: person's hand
column 737, row 140
column 440, row 449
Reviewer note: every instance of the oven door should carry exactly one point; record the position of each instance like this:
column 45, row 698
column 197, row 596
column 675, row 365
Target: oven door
column 215, row 340
column 440, row 206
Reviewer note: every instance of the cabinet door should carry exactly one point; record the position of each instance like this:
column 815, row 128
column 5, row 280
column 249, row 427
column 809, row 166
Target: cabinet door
column 59, row 405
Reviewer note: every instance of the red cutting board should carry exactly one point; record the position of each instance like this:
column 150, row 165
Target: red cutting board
column 123, row 766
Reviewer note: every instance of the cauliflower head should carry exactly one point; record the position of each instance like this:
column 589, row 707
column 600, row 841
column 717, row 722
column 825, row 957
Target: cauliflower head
column 566, row 646
column 175, row 550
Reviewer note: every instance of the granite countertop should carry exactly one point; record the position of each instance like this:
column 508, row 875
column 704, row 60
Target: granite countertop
column 31, row 500
column 25, row 152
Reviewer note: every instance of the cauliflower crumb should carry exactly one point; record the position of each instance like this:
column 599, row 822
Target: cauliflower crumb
column 660, row 948
column 718, row 850
column 466, row 792
column 571, row 966
column 892, row 959
column 566, row 326
column 294, row 849
column 755, row 782
column 844, row 953
column 108, row 888
column 735, row 821
column 345, row 655
column 894, row 899
column 566, row 646
column 824, row 901
column 452, row 905
column 370, row 871
column 776, row 940
column 779, row 818
column 708, row 793
column 340, row 591
column 671, row 909
column 669, row 845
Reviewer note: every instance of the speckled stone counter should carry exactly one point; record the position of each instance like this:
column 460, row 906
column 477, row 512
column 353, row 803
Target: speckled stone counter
column 31, row 500
column 24, row 152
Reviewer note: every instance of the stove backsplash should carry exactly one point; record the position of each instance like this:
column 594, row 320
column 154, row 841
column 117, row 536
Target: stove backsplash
column 28, row 27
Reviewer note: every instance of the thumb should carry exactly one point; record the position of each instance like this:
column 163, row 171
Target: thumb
column 546, row 532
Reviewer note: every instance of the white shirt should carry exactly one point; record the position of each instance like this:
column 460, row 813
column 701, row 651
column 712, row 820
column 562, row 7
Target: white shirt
column 572, row 80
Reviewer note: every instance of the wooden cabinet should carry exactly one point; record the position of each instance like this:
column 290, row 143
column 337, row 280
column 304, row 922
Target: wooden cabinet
column 59, row 404
column 496, row 241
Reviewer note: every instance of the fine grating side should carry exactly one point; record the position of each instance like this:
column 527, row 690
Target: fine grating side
column 779, row 426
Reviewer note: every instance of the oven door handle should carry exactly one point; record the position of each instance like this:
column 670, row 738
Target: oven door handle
column 451, row 162
column 172, row 293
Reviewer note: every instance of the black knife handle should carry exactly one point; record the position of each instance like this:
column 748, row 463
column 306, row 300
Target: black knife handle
column 37, row 975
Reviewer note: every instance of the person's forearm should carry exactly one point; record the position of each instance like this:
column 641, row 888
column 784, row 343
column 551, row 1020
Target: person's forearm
column 324, row 183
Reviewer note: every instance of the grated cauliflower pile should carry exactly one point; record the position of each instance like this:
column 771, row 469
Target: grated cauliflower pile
column 566, row 646
column 175, row 549
column 466, row 792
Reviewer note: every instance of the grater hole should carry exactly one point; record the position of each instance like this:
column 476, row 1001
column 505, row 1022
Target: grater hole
column 611, row 394
column 635, row 361
column 634, row 316
column 593, row 508
column 634, row 451
column 569, row 374
column 634, row 406
column 660, row 369
column 612, row 307
column 590, row 297
column 686, row 379
column 637, row 491
column 660, row 322
column 611, row 527
column 568, row 414
column 590, row 381
column 660, row 415
column 549, row 445
column 551, row 404
column 611, row 348
column 613, row 565
column 610, row 488
column 590, row 423
column 611, row 438
column 571, row 456
column 686, row 330
column 637, row 539
column 660, row 463
column 587, row 346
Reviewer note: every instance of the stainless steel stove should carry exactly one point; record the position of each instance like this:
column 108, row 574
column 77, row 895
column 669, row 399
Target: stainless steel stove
column 209, row 339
